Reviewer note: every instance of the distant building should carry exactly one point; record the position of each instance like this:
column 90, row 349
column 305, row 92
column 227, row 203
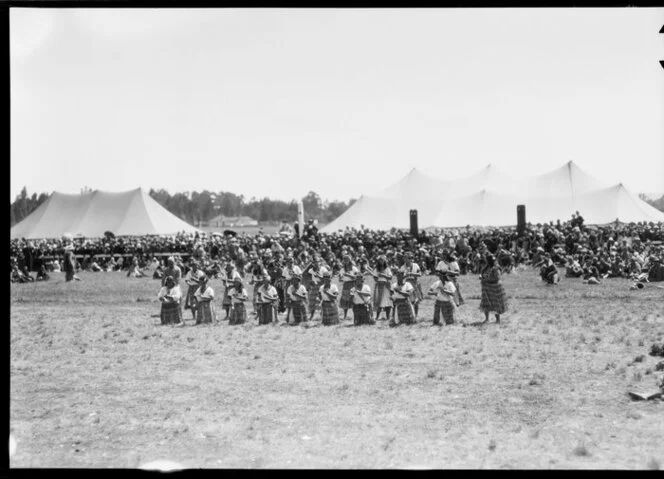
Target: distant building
column 232, row 221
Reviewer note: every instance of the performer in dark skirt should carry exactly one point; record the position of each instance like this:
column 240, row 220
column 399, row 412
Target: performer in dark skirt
column 403, row 308
column 297, row 296
column 205, row 312
column 170, row 297
column 493, row 294
column 347, row 276
column 238, row 295
column 451, row 264
column 287, row 274
column 312, row 277
column 328, row 295
column 266, row 301
column 412, row 274
column 361, row 297
column 257, row 272
column 382, row 276
column 192, row 279
column 228, row 277
column 275, row 271
column 445, row 293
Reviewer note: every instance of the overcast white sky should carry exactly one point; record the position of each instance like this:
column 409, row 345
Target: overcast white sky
column 277, row 102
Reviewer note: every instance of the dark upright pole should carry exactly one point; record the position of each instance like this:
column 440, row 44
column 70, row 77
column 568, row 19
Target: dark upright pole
column 414, row 231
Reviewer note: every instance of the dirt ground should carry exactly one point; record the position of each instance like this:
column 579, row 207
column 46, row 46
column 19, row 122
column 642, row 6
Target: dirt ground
column 96, row 381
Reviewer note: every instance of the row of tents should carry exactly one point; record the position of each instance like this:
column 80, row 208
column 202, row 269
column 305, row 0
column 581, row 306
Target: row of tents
column 490, row 198
column 487, row 198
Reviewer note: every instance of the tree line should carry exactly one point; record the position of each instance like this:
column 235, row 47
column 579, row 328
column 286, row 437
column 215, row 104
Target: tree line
column 199, row 207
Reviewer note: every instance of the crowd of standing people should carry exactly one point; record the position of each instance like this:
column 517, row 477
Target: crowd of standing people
column 302, row 289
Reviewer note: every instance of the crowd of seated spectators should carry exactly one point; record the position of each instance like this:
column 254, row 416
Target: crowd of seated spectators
column 614, row 250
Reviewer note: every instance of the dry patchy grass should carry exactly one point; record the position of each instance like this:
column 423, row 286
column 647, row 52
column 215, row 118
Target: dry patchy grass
column 96, row 381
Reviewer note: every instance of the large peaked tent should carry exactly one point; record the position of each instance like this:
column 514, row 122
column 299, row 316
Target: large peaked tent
column 369, row 212
column 617, row 203
column 567, row 181
column 489, row 198
column 128, row 213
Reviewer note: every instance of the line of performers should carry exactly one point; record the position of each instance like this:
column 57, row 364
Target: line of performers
column 397, row 295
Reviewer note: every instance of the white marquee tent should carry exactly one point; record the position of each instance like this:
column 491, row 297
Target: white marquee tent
column 129, row 213
column 490, row 198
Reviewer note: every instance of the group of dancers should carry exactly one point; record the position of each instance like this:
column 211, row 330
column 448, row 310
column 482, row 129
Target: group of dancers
column 307, row 288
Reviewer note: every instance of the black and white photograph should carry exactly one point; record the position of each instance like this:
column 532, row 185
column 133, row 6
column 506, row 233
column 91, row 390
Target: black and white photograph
column 336, row 238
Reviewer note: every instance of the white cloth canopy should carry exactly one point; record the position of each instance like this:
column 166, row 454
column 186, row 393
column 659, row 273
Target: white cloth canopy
column 129, row 213
column 490, row 198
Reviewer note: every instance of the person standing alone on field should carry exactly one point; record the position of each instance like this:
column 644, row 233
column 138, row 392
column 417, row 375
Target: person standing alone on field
column 70, row 263
column 493, row 294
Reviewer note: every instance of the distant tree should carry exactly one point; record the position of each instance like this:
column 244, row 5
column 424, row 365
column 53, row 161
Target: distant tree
column 334, row 210
column 252, row 209
column 312, row 205
column 657, row 203
column 24, row 205
column 229, row 204
column 203, row 205
column 21, row 204
column 160, row 196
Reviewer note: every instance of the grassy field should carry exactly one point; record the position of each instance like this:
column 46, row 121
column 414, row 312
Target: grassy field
column 96, row 381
